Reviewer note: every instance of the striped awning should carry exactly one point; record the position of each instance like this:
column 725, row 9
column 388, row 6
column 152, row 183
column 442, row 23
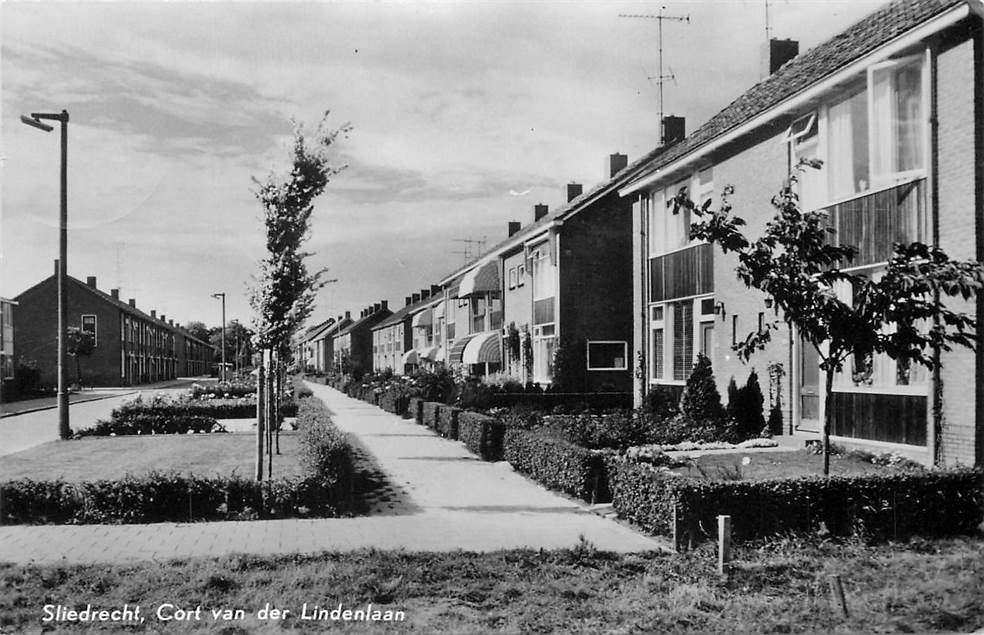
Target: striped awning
column 484, row 348
column 482, row 279
column 438, row 310
column 457, row 349
column 410, row 357
column 423, row 319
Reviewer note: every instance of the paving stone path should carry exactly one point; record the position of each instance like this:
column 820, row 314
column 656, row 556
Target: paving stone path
column 439, row 497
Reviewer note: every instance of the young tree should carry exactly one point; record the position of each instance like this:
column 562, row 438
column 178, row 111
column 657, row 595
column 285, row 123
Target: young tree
column 79, row 344
column 283, row 293
column 899, row 314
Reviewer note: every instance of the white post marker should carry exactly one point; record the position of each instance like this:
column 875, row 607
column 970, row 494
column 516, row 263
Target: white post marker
column 724, row 544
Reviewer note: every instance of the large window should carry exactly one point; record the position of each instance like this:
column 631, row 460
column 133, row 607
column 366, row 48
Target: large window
column 607, row 355
column 669, row 225
column 678, row 331
column 877, row 132
column 544, row 283
column 89, row 326
column 544, row 344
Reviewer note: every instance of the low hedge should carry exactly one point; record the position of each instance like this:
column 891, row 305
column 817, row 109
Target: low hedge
column 447, row 421
column 325, row 453
column 215, row 408
column 875, row 506
column 394, row 401
column 616, row 430
column 430, row 413
column 415, row 409
column 481, row 434
column 150, row 423
column 557, row 463
column 163, row 497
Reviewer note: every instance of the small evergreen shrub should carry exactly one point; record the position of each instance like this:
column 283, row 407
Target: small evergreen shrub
column 745, row 408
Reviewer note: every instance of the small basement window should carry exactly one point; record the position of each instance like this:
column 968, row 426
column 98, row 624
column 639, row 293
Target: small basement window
column 607, row 355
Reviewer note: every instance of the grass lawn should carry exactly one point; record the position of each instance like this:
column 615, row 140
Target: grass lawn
column 779, row 586
column 94, row 458
column 774, row 464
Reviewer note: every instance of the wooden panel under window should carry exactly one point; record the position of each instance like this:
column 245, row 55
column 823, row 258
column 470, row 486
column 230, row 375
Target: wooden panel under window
column 874, row 223
column 543, row 311
column 875, row 417
column 682, row 273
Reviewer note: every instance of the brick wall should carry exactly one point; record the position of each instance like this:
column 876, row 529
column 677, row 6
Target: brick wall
column 956, row 162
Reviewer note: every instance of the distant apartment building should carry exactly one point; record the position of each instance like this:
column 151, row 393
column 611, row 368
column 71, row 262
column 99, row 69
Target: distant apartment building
column 131, row 346
column 7, row 356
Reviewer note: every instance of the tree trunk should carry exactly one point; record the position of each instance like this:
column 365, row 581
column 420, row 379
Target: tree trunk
column 827, row 414
column 280, row 394
column 271, row 422
column 260, row 412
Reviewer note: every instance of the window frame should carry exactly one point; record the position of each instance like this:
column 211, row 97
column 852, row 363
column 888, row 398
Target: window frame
column 625, row 355
column 95, row 327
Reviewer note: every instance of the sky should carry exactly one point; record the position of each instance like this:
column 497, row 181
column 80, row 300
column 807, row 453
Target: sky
column 463, row 116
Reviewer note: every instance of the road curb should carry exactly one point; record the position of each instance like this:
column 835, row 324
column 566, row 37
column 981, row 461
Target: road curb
column 71, row 403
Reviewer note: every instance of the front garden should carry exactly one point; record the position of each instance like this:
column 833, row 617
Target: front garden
column 643, row 461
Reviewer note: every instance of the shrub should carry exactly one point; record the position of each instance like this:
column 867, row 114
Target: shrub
column 415, row 409
column 660, row 403
column 481, row 434
column 557, row 464
column 223, row 389
column 164, row 497
column 324, row 451
column 435, row 385
column 570, row 364
column 151, row 423
column 473, row 395
column 447, row 421
column 430, row 414
column 745, row 408
column 618, row 430
column 701, row 400
column 875, row 506
column 394, row 400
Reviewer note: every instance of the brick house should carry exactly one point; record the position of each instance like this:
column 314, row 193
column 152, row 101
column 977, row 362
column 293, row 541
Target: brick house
column 893, row 107
column 405, row 340
column 131, row 347
column 7, row 353
column 353, row 343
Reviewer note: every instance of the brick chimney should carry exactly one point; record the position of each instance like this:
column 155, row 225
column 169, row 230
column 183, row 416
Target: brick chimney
column 91, row 281
column 384, row 305
column 408, row 300
column 153, row 313
column 115, row 293
column 616, row 163
column 163, row 318
column 170, row 322
column 573, row 191
column 777, row 52
column 424, row 294
column 416, row 297
column 132, row 303
column 674, row 129
column 514, row 227
column 348, row 315
column 435, row 290
column 539, row 211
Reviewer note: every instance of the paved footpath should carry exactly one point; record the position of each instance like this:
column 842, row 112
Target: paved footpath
column 443, row 498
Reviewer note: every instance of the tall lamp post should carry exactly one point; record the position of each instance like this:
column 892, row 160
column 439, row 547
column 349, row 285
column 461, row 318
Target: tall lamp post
column 35, row 121
column 222, row 296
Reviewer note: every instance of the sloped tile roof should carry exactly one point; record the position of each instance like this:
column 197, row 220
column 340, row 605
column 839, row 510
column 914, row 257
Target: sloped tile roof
column 402, row 312
column 809, row 68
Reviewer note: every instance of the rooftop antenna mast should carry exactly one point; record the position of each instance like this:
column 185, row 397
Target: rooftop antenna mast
column 472, row 246
column 768, row 29
column 659, row 17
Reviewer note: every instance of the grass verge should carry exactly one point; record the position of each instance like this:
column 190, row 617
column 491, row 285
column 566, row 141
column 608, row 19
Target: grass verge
column 776, row 586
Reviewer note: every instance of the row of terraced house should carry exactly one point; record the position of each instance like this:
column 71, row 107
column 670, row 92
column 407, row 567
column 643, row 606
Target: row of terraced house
column 893, row 107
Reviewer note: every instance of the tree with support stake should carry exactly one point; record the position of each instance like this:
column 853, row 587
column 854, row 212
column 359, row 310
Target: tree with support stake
column 283, row 292
column 899, row 313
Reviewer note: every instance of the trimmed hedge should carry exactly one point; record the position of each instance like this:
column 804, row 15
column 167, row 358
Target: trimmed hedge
column 876, row 506
column 430, row 413
column 394, row 401
column 447, row 421
column 162, row 497
column 151, row 423
column 617, row 430
column 481, row 434
column 557, row 464
column 416, row 410
column 325, row 452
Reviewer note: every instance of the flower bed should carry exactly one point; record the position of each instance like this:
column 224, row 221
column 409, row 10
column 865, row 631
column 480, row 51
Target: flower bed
column 153, row 423
column 877, row 505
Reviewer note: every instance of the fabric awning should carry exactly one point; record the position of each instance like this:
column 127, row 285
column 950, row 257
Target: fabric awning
column 438, row 310
column 429, row 353
column 454, row 355
column 481, row 279
column 410, row 357
column 484, row 348
column 423, row 319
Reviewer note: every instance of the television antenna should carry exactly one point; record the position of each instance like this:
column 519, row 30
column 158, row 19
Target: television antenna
column 472, row 247
column 660, row 77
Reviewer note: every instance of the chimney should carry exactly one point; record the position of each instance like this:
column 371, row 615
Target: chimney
column 616, row 163
column 408, row 301
column 514, row 226
column 170, row 322
column 377, row 307
column 132, row 303
column 384, row 305
column 91, row 281
column 435, row 290
column 573, row 191
column 115, row 293
column 153, row 313
column 775, row 53
column 539, row 211
column 424, row 294
column 348, row 315
column 674, row 129
column 163, row 318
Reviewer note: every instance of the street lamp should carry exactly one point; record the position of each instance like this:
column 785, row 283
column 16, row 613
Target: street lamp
column 35, row 121
column 217, row 296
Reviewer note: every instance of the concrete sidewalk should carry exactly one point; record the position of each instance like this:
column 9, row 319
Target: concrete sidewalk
column 442, row 498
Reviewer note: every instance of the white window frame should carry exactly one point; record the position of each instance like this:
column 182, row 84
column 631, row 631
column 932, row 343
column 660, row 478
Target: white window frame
column 625, row 355
column 657, row 322
column 512, row 277
column 95, row 327
column 521, row 274
column 543, row 368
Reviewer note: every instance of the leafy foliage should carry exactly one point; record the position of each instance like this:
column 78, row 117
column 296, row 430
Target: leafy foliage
column 745, row 408
column 557, row 464
column 325, row 452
